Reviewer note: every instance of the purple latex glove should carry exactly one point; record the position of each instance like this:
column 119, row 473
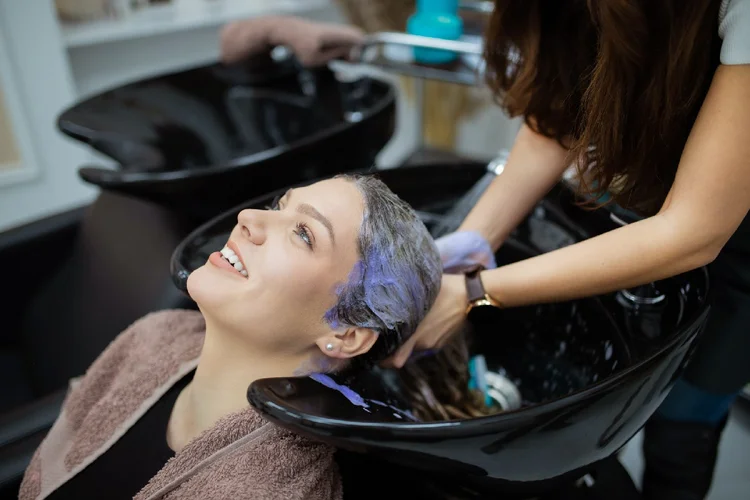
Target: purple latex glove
column 463, row 250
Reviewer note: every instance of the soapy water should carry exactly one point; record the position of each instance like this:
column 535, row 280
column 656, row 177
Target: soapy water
column 556, row 350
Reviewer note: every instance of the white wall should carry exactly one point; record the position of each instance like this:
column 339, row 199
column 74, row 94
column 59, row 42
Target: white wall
column 97, row 67
column 36, row 64
column 487, row 132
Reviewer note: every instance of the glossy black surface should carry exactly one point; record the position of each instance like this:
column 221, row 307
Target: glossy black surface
column 589, row 377
column 608, row 480
column 205, row 139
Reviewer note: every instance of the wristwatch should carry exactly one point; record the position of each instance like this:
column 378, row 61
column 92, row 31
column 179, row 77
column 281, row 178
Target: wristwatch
column 476, row 293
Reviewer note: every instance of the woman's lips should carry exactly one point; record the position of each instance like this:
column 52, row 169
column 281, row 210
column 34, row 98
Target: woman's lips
column 233, row 247
column 234, row 260
column 217, row 260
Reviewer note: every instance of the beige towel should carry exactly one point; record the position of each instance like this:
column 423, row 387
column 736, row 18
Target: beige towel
column 242, row 456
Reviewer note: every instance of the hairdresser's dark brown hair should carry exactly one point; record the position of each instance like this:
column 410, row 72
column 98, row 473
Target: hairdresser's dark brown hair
column 624, row 76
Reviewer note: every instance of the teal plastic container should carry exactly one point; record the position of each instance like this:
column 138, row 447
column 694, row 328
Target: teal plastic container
column 436, row 19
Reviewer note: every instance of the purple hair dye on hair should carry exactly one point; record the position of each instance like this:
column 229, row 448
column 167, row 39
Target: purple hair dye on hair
column 397, row 279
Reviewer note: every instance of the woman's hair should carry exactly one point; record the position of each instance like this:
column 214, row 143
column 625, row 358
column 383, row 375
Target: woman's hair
column 438, row 385
column 398, row 275
column 619, row 82
column 390, row 290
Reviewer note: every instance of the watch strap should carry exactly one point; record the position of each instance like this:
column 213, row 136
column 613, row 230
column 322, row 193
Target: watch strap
column 475, row 292
column 474, row 286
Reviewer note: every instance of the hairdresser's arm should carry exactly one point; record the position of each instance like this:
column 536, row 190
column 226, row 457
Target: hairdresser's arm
column 707, row 202
column 535, row 164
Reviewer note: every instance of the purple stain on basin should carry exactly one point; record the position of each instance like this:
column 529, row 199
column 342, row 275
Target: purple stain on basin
column 349, row 394
column 358, row 400
column 397, row 412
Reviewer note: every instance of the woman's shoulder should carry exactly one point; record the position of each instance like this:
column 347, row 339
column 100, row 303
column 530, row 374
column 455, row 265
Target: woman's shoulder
column 154, row 334
column 734, row 30
column 312, row 463
column 283, row 465
column 165, row 338
column 166, row 329
column 160, row 340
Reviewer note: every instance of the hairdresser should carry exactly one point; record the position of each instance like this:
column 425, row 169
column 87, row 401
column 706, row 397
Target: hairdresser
column 661, row 90
column 650, row 102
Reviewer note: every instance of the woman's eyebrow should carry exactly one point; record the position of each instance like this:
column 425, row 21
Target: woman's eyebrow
column 307, row 209
column 310, row 210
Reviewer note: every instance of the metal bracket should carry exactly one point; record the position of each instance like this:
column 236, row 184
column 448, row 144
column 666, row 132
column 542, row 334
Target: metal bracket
column 483, row 7
column 497, row 164
column 456, row 72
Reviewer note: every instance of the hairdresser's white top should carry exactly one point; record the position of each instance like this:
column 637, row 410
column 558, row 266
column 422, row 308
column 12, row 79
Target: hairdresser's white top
column 734, row 30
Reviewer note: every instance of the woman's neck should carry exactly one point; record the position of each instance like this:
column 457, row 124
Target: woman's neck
column 226, row 368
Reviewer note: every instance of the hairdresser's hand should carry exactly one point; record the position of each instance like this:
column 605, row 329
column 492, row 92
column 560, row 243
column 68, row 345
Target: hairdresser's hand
column 463, row 250
column 443, row 321
column 314, row 43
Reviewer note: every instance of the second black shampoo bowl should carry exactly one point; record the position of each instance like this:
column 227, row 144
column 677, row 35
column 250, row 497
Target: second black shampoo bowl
column 206, row 139
column 588, row 379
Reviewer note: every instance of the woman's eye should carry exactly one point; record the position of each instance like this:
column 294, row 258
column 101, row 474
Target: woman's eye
column 304, row 233
column 301, row 230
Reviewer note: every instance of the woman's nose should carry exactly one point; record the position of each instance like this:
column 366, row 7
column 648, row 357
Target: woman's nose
column 252, row 225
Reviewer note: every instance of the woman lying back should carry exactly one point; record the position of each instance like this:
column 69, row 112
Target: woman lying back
column 337, row 271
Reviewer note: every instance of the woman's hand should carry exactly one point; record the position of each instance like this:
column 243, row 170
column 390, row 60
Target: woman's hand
column 313, row 43
column 444, row 320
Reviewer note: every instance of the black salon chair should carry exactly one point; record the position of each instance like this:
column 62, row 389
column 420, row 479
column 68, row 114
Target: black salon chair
column 73, row 282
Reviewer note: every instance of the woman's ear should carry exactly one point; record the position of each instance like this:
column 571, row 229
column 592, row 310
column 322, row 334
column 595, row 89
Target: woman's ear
column 348, row 344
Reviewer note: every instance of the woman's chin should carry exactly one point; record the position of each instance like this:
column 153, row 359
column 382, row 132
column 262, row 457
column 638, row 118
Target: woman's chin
column 205, row 286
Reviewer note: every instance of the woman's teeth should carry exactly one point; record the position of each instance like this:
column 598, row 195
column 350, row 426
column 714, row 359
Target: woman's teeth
column 231, row 257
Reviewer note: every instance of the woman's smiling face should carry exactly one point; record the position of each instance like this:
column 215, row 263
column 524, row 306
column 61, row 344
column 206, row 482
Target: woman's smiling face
column 294, row 255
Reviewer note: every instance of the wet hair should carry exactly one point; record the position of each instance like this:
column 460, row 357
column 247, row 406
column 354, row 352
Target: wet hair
column 437, row 386
column 390, row 290
column 626, row 77
column 397, row 278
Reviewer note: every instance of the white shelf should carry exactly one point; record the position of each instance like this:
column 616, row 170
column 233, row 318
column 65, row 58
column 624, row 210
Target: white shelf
column 182, row 15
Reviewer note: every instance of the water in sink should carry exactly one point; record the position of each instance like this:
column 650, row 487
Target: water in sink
column 550, row 351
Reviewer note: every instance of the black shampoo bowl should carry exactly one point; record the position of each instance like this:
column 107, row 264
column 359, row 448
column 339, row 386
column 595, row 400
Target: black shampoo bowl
column 206, row 139
column 588, row 378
